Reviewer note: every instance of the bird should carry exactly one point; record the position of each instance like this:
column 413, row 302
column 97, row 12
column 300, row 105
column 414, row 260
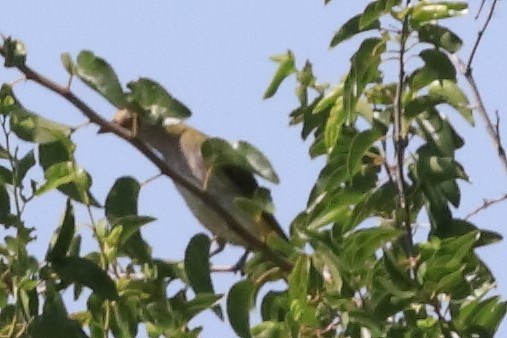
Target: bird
column 179, row 145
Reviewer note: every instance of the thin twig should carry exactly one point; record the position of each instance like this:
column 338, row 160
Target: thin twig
column 467, row 71
column 480, row 34
column 486, row 204
column 125, row 134
column 479, row 11
column 400, row 142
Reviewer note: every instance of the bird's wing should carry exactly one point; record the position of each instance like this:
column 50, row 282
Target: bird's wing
column 242, row 181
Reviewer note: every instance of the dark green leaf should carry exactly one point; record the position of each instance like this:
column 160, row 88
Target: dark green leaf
column 122, row 198
column 239, row 302
column 125, row 317
column 439, row 133
column 286, row 66
column 440, row 37
column 152, row 98
column 361, row 245
column 353, row 27
column 22, row 167
column 375, row 10
column 201, row 302
column 64, row 235
column 437, row 66
column 83, row 271
column 5, row 176
column 437, row 169
column 274, row 305
column 5, row 202
column 100, row 76
column 449, row 92
column 54, row 322
column 197, row 264
column 14, row 53
column 51, row 153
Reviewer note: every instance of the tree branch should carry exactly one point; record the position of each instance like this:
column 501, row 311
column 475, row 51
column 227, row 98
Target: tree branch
column 400, row 143
column 467, row 71
column 125, row 134
column 486, row 204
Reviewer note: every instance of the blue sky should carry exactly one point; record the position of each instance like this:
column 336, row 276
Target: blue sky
column 214, row 56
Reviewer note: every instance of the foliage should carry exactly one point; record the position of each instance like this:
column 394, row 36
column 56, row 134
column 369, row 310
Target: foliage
column 355, row 268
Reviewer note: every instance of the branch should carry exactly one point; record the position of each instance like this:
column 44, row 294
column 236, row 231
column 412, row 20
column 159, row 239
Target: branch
column 486, row 204
column 467, row 71
column 400, row 142
column 480, row 34
column 125, row 134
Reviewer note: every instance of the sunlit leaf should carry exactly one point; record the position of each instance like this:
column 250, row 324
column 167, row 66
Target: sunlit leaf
column 351, row 28
column 152, row 98
column 35, row 128
column 100, row 76
column 285, row 68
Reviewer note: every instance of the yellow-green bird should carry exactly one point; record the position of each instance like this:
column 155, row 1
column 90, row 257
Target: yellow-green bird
column 180, row 146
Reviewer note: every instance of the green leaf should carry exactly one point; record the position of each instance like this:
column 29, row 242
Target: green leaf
column 375, row 10
column 436, row 10
column 64, row 235
column 201, row 302
column 353, row 27
column 83, row 271
column 100, row 76
column 197, row 264
column 22, row 167
column 361, row 245
column 125, row 317
column 449, row 92
column 239, row 302
column 437, row 66
column 152, row 98
column 364, row 70
column 437, row 169
column 220, row 153
column 5, row 176
column 121, row 210
column 61, row 150
column 286, row 66
column 122, row 198
column 14, row 53
column 35, row 128
column 5, row 202
column 130, row 225
column 298, row 278
column 63, row 173
column 274, row 305
column 439, row 133
column 67, row 63
column 54, row 321
column 440, row 37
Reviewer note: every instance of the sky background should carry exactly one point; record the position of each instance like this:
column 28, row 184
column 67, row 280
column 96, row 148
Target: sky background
column 214, row 57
